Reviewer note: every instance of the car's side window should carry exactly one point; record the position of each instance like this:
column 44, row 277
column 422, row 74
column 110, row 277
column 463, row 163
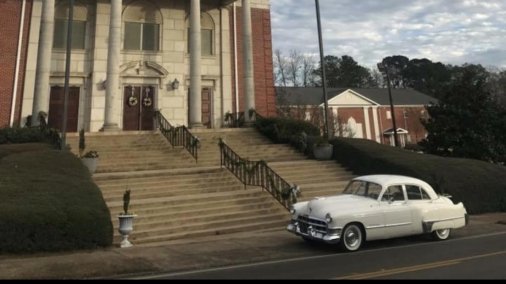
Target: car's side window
column 374, row 191
column 413, row 192
column 393, row 193
column 425, row 196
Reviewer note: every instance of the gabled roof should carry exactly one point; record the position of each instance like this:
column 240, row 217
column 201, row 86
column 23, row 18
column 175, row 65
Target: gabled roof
column 314, row 96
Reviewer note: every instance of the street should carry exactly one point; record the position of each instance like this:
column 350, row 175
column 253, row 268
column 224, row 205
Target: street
column 474, row 257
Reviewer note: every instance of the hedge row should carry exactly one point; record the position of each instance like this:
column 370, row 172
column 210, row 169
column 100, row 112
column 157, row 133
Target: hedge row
column 479, row 185
column 284, row 130
column 49, row 202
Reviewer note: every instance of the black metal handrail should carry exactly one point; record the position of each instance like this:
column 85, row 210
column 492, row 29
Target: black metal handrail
column 258, row 173
column 178, row 136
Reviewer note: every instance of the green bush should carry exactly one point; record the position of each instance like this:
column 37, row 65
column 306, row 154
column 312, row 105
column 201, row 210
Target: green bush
column 479, row 185
column 21, row 135
column 283, row 130
column 49, row 202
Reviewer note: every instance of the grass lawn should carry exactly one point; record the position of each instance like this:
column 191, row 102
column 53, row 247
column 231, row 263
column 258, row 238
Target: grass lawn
column 49, row 201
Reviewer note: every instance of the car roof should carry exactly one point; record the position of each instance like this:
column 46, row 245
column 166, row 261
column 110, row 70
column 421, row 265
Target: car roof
column 391, row 179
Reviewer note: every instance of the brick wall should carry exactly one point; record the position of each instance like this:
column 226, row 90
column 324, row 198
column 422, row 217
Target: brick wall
column 10, row 23
column 265, row 99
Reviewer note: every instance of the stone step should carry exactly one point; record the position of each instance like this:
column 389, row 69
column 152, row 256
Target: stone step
column 159, row 237
column 201, row 221
column 215, row 225
column 202, row 205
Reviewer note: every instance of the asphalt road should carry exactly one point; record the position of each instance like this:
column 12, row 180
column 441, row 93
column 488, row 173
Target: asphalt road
column 473, row 257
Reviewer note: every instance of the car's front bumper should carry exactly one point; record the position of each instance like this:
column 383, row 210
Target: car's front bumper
column 332, row 236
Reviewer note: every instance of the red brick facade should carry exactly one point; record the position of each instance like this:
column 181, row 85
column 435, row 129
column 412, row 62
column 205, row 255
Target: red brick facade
column 10, row 25
column 265, row 98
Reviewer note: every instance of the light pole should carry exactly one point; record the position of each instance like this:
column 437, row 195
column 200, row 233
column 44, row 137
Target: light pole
column 383, row 69
column 324, row 79
column 67, row 74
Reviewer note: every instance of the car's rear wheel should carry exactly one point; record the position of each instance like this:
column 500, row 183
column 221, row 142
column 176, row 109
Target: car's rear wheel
column 352, row 237
column 440, row 235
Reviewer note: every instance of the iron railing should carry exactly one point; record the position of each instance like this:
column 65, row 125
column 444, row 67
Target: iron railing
column 178, row 136
column 258, row 173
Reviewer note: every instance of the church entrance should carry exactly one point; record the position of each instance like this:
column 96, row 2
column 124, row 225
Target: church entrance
column 55, row 115
column 138, row 108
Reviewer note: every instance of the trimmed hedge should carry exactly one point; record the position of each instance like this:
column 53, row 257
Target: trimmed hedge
column 481, row 186
column 49, row 202
column 283, row 130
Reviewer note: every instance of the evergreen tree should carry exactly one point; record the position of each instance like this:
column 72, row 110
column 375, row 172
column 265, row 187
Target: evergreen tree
column 467, row 121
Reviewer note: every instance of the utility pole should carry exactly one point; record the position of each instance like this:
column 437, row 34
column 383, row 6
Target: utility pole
column 67, row 73
column 382, row 68
column 324, row 78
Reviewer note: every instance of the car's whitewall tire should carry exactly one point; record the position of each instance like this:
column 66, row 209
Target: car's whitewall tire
column 352, row 237
column 441, row 235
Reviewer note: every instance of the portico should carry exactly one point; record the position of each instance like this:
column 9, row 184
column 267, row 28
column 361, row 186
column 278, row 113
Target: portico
column 147, row 45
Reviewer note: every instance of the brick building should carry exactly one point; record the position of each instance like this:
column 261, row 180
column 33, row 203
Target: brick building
column 193, row 60
column 14, row 27
column 361, row 113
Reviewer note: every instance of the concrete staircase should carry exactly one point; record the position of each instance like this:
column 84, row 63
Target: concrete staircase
column 173, row 196
column 176, row 197
column 315, row 178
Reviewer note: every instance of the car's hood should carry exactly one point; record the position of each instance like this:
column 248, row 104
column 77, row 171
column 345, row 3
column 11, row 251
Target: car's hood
column 346, row 203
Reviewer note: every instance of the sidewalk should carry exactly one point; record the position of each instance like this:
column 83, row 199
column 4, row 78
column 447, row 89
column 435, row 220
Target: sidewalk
column 183, row 255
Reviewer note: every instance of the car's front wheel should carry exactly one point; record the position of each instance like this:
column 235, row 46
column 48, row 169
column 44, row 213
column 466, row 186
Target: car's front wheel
column 352, row 237
column 440, row 235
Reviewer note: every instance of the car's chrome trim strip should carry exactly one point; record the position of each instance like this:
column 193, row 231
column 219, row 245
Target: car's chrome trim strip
column 441, row 220
column 388, row 226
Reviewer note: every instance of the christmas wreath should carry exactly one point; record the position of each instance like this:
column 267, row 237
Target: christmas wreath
column 132, row 101
column 147, row 101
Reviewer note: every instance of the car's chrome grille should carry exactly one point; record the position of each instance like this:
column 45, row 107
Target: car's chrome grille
column 318, row 225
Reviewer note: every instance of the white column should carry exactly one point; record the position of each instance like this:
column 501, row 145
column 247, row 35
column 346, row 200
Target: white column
column 375, row 120
column 113, row 61
column 41, row 93
column 195, row 62
column 367, row 123
column 249, row 83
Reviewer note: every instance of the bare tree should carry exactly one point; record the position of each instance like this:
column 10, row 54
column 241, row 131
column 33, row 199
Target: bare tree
column 280, row 68
column 308, row 67
column 294, row 60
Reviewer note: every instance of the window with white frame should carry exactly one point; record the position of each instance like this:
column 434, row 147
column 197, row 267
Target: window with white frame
column 79, row 22
column 141, row 36
column 142, row 27
column 206, row 35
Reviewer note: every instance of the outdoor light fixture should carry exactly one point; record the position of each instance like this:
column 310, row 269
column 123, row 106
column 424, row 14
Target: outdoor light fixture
column 175, row 84
column 384, row 69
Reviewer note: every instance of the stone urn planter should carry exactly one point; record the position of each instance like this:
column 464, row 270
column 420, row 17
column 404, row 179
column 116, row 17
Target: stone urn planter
column 323, row 151
column 90, row 163
column 90, row 160
column 126, row 226
column 126, row 221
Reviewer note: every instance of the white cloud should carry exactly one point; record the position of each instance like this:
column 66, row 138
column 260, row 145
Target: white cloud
column 454, row 32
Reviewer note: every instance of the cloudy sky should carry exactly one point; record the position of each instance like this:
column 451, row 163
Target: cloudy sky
column 450, row 31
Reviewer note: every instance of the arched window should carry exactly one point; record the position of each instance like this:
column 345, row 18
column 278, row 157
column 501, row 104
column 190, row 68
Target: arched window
column 142, row 26
column 79, row 19
column 206, row 34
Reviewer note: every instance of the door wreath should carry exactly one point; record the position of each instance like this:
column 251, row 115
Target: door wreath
column 132, row 101
column 147, row 101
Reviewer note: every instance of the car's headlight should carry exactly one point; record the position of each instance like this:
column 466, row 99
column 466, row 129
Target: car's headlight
column 328, row 218
column 292, row 210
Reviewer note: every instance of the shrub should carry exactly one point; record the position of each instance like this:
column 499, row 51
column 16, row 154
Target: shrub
column 49, row 202
column 283, row 130
column 479, row 185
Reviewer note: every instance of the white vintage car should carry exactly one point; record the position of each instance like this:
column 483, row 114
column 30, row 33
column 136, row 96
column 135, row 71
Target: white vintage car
column 377, row 207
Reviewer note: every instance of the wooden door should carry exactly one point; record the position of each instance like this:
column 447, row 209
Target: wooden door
column 206, row 107
column 138, row 109
column 55, row 116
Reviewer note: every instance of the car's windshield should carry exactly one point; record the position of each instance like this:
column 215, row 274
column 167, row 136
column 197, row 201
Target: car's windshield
column 363, row 188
